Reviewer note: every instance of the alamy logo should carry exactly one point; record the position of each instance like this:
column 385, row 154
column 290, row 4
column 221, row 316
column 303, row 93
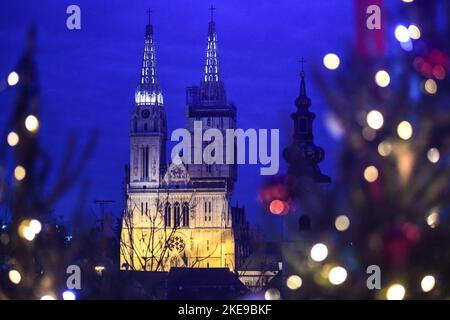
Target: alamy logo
column 214, row 146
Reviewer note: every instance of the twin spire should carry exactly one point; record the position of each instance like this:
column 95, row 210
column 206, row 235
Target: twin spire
column 212, row 91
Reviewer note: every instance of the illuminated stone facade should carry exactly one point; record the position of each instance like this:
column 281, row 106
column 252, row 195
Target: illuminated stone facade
column 177, row 215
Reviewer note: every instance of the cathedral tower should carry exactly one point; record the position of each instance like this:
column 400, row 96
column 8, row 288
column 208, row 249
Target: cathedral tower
column 148, row 132
column 208, row 103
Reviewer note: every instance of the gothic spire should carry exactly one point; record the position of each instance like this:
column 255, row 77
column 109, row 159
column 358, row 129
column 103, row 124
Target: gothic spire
column 212, row 91
column 148, row 91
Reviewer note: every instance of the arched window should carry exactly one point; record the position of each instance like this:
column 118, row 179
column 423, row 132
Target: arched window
column 176, row 215
column 185, row 214
column 167, row 215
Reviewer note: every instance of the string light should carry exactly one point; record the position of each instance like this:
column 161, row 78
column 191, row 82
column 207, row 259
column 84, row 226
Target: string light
column 32, row 123
column 430, row 86
column 14, row 276
column 294, row 282
column 331, row 61
column 272, row 294
column 371, row 174
column 337, row 275
column 342, row 223
column 433, row 155
column 427, row 284
column 433, row 219
column 277, row 207
column 20, row 173
column 69, row 295
column 402, row 33
column 404, row 130
column 375, row 119
column 382, row 78
column 35, row 226
column 414, row 32
column 396, row 292
column 13, row 78
column 319, row 252
column 384, row 148
column 12, row 139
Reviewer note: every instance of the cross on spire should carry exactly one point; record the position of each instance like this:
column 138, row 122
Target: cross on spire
column 302, row 61
column 149, row 11
column 212, row 8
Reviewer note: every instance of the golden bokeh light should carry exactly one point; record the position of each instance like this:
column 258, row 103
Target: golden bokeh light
column 342, row 223
column 375, row 119
column 294, row 282
column 14, row 276
column 405, row 130
column 371, row 174
column 396, row 292
column 384, row 148
column 12, row 139
column 331, row 61
column 382, row 78
column 319, row 252
column 32, row 123
column 337, row 275
column 427, row 284
column 20, row 173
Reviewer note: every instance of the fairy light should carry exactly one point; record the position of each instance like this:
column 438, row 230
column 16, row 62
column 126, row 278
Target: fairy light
column 294, row 282
column 433, row 219
column 272, row 294
column 342, row 223
column 14, row 276
column 433, row 155
column 384, row 148
column 32, row 123
column 414, row 32
column 331, row 61
column 20, row 173
column 404, row 130
column 430, row 86
column 35, row 226
column 12, row 139
column 69, row 295
column 375, row 119
column 382, row 78
column 402, row 33
column 13, row 78
column 319, row 252
column 427, row 284
column 396, row 292
column 371, row 174
column 337, row 275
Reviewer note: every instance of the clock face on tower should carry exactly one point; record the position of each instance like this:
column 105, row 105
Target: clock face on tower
column 145, row 114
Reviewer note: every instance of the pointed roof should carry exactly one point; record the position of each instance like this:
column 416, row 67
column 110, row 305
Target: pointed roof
column 148, row 91
column 212, row 91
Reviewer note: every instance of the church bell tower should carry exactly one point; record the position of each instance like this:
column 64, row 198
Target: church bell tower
column 148, row 130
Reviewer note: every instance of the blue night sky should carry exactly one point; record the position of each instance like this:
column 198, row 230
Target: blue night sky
column 88, row 76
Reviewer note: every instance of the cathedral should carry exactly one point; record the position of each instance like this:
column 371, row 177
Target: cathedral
column 180, row 215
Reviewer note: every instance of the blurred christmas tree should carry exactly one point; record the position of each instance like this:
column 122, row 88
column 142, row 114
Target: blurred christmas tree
column 389, row 201
column 35, row 249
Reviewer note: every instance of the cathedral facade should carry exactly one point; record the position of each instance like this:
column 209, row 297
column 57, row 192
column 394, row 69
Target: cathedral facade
column 177, row 214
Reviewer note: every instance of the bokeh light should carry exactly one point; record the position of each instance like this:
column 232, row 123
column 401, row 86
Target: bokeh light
column 35, row 226
column 375, row 119
column 427, row 284
column 430, row 86
column 342, row 223
column 48, row 297
column 14, row 276
column 414, row 32
column 12, row 139
column 371, row 174
column 433, row 219
column 433, row 155
column 396, row 292
column 402, row 33
column 331, row 61
column 272, row 294
column 277, row 207
column 32, row 123
column 382, row 78
column 404, row 130
column 69, row 295
column 337, row 275
column 319, row 252
column 294, row 282
column 13, row 78
column 384, row 148
column 20, row 173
